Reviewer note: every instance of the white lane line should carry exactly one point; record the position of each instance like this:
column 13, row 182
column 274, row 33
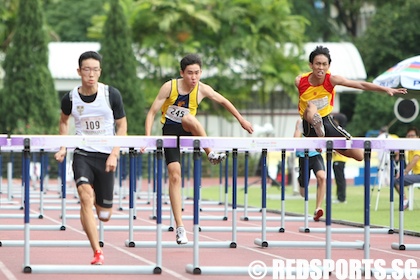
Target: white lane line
column 9, row 275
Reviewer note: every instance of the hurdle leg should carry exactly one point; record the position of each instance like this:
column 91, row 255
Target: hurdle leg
column 328, row 235
column 25, row 171
column 195, row 267
column 263, row 241
column 225, row 218
column 120, row 184
column 401, row 245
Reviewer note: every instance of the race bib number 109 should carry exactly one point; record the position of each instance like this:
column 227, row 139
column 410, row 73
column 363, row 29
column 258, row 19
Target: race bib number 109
column 92, row 125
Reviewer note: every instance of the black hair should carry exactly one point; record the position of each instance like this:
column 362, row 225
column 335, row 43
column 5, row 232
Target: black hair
column 190, row 59
column 413, row 128
column 320, row 50
column 89, row 54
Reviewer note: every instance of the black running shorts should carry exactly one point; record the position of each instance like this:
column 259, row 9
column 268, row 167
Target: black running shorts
column 173, row 154
column 316, row 163
column 331, row 129
column 89, row 168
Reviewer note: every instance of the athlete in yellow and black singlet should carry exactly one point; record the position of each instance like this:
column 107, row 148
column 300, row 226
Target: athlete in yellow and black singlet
column 177, row 105
column 173, row 109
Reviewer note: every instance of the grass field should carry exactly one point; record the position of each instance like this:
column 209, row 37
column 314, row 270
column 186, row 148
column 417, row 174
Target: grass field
column 352, row 211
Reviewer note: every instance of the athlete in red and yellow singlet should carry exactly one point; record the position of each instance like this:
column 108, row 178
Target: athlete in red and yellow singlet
column 321, row 95
column 316, row 98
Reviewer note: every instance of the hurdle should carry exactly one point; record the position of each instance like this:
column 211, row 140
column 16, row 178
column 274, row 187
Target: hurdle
column 388, row 144
column 401, row 145
column 16, row 144
column 168, row 244
column 38, row 196
column 3, row 142
column 120, row 175
column 308, row 244
column 154, row 197
column 263, row 144
column 184, row 174
column 172, row 244
column 401, row 245
column 41, row 199
column 196, row 143
column 378, row 230
column 10, row 190
column 225, row 208
column 132, row 204
column 62, row 227
column 224, row 191
column 133, row 166
column 27, row 141
column 282, row 219
column 120, row 181
column 185, row 171
column 234, row 228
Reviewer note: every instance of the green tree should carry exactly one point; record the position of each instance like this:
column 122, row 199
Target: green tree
column 333, row 20
column 318, row 14
column 241, row 42
column 70, row 20
column 28, row 96
column 119, row 66
column 8, row 11
column 389, row 39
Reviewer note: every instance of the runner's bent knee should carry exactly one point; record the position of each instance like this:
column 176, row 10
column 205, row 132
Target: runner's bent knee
column 86, row 193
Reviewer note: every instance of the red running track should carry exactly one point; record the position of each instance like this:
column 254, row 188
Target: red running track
column 176, row 258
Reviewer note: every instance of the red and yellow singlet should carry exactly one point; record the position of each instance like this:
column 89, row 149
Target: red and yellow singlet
column 322, row 96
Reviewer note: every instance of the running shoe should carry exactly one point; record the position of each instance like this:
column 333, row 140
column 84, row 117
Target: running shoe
column 318, row 214
column 181, row 235
column 98, row 258
column 216, row 158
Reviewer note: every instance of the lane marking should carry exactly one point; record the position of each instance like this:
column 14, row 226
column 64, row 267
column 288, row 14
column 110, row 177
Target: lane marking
column 9, row 275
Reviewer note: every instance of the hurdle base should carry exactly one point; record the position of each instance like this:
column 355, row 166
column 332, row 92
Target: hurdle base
column 32, row 227
column 278, row 219
column 309, row 244
column 92, row 269
column 45, row 243
column 204, row 218
column 345, row 230
column 173, row 244
column 405, row 247
column 239, row 229
column 192, row 270
column 284, row 273
column 135, row 228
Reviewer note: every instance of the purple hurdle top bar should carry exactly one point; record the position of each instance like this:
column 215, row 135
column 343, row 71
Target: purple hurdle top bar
column 73, row 141
column 387, row 144
column 258, row 143
column 3, row 140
